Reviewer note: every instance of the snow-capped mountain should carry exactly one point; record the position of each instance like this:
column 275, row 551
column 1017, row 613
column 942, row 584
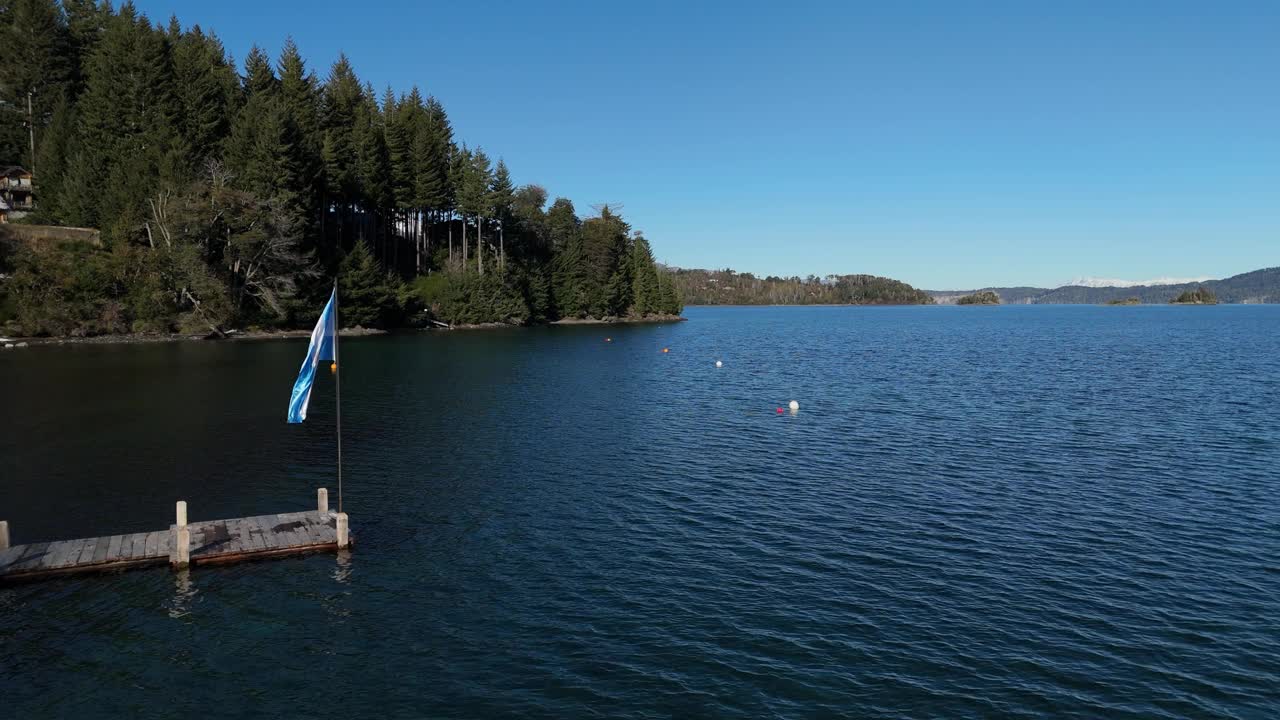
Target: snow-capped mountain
column 1094, row 282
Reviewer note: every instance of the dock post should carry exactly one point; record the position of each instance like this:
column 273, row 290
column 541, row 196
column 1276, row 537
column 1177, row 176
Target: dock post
column 322, row 500
column 4, row 534
column 343, row 536
column 181, row 555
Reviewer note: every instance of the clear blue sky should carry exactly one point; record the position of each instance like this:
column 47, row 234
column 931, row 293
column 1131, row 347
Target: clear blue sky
column 947, row 144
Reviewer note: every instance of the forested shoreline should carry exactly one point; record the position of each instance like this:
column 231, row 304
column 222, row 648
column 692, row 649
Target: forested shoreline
column 232, row 196
column 726, row 287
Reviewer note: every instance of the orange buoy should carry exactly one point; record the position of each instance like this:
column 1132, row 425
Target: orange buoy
column 333, row 368
column 666, row 349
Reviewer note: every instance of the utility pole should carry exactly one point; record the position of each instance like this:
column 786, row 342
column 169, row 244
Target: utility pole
column 31, row 130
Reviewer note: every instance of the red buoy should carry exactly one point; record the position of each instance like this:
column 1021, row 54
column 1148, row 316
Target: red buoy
column 779, row 411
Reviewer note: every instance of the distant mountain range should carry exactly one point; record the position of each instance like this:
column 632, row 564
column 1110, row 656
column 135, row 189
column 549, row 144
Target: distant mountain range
column 1259, row 286
column 1112, row 282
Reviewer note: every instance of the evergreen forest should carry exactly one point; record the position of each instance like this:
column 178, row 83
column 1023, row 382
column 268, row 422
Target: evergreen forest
column 233, row 195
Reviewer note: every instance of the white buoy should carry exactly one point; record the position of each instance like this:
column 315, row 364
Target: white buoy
column 795, row 405
column 719, row 364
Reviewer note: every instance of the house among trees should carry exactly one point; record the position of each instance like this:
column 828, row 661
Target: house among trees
column 16, row 192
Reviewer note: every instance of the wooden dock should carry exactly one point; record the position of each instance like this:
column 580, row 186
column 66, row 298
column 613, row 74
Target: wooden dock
column 183, row 544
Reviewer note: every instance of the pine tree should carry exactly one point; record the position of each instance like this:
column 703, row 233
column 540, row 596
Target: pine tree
column 341, row 97
column 54, row 156
column 36, row 50
column 75, row 203
column 127, row 115
column 478, row 199
column 669, row 302
column 374, row 163
column 459, row 172
column 299, row 93
column 568, row 268
column 206, row 87
column 645, row 297
column 400, row 132
column 441, row 152
column 300, row 100
column 501, row 193
column 368, row 296
column 85, row 22
column 604, row 242
column 569, row 284
column 259, row 77
column 430, row 166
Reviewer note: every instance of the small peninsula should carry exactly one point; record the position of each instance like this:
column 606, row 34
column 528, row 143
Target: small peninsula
column 984, row 297
column 728, row 287
column 1124, row 301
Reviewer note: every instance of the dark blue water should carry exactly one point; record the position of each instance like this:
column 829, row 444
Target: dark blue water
column 1013, row 512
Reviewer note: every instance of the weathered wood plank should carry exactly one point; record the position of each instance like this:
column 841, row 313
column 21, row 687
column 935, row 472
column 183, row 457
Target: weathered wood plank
column 14, row 556
column 11, row 555
column 211, row 540
column 50, row 551
column 63, row 550
column 322, row 532
column 100, row 552
column 315, row 528
column 248, row 537
column 113, row 548
column 137, row 549
column 136, row 543
column 257, row 539
column 207, row 539
column 71, row 554
column 140, row 545
column 301, row 534
column 152, row 544
column 33, row 557
column 281, row 533
column 269, row 536
column 74, row 551
column 237, row 536
column 86, row 553
column 126, row 547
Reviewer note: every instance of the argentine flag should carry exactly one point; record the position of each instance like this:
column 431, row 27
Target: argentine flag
column 324, row 346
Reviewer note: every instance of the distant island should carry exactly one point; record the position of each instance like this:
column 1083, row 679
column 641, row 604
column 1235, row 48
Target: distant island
column 1199, row 296
column 1125, row 301
column 1258, row 286
column 982, row 297
column 727, row 287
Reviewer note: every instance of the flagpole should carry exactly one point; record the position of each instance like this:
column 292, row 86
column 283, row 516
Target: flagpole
column 337, row 386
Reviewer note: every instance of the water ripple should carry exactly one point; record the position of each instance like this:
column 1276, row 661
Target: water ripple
column 977, row 513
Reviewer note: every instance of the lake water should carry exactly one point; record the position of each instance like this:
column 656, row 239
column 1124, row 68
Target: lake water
column 1010, row 512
